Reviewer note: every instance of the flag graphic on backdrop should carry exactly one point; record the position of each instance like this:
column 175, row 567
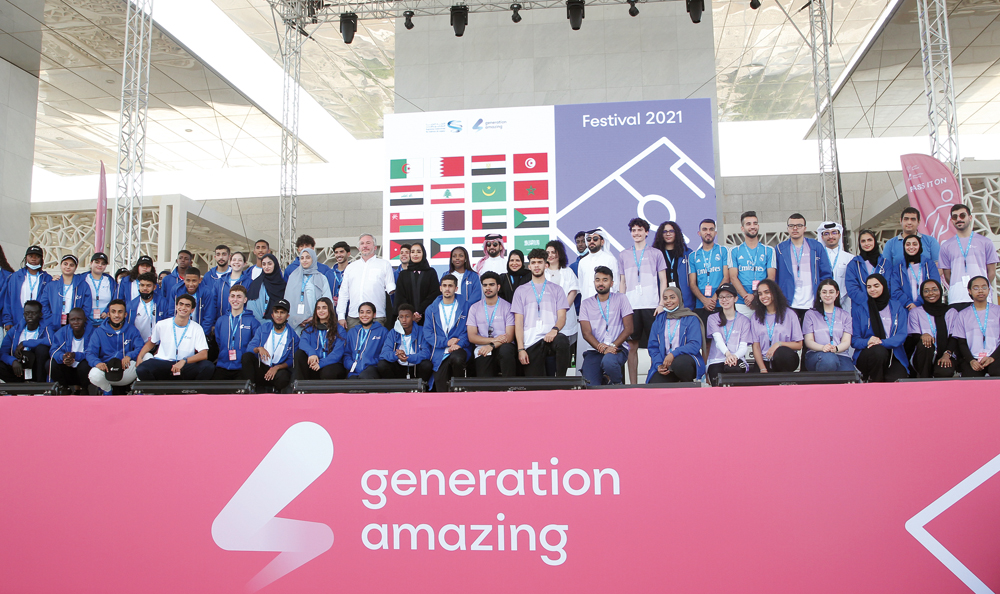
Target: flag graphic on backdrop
column 398, row 224
column 489, row 192
column 406, row 195
column 531, row 163
column 406, row 168
column 527, row 218
column 451, row 167
column 531, row 190
column 526, row 243
column 396, row 244
column 477, row 245
column 447, row 193
column 446, row 220
column 489, row 165
column 441, row 248
column 491, row 218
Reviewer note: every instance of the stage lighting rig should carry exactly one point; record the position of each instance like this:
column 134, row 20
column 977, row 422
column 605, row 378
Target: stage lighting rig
column 574, row 12
column 632, row 10
column 516, row 17
column 408, row 15
column 695, row 8
column 348, row 26
column 459, row 19
column 754, row 4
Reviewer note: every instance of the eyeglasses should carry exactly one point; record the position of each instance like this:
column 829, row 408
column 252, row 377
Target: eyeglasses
column 669, row 232
column 825, row 233
column 796, row 226
column 593, row 237
column 958, row 216
column 492, row 243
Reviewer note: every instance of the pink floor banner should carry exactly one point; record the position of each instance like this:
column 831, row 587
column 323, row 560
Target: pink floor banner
column 861, row 488
column 933, row 190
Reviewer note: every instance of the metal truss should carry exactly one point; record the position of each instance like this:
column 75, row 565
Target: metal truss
column 939, row 87
column 826, row 130
column 388, row 10
column 132, row 138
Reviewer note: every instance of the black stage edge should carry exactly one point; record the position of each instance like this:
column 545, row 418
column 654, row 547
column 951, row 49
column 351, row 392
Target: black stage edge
column 943, row 379
column 521, row 384
column 358, row 386
column 30, row 389
column 667, row 386
column 141, row 388
column 788, row 379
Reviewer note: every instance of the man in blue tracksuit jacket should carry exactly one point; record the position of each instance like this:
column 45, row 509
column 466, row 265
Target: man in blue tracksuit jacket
column 68, row 365
column 406, row 337
column 802, row 263
column 233, row 332
column 148, row 308
column 116, row 341
column 27, row 335
column 446, row 335
column 205, row 312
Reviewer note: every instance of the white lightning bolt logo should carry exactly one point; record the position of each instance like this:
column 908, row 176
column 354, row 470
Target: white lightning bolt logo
column 248, row 521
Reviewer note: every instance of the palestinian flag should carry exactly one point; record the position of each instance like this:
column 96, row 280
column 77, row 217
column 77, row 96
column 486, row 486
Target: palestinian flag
column 447, row 193
column 492, row 218
column 450, row 166
column 489, row 165
column 531, row 163
column 398, row 224
column 531, row 190
column 447, row 220
column 528, row 218
column 406, row 169
column 441, row 248
column 477, row 246
column 406, row 195
column 396, row 244
column 489, row 192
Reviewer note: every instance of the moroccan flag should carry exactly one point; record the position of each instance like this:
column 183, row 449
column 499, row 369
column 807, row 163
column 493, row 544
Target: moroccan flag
column 447, row 193
column 396, row 244
column 447, row 220
column 531, row 190
column 451, row 167
column 406, row 168
column 489, row 192
column 491, row 218
column 406, row 195
column 489, row 165
column 398, row 224
column 531, row 163
column 441, row 248
column 526, row 218
column 477, row 245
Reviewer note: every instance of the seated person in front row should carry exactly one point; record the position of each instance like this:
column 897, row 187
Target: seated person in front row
column 400, row 357
column 539, row 314
column 827, row 331
column 234, row 331
column 676, row 342
column 69, row 366
column 978, row 332
column 606, row 325
column 446, row 335
column 183, row 350
column 880, row 326
column 491, row 331
column 24, row 353
column 364, row 344
column 929, row 327
column 271, row 354
column 322, row 345
column 731, row 335
column 777, row 335
column 112, row 350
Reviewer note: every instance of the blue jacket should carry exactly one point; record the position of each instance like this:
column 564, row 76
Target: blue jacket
column 690, row 343
column 435, row 339
column 683, row 269
column 785, row 276
column 9, row 344
column 336, row 278
column 161, row 310
column 364, row 353
column 124, row 289
column 472, row 289
column 52, row 301
column 13, row 309
column 899, row 284
column 205, row 312
column 235, row 337
column 395, row 339
column 221, row 290
column 62, row 342
column 170, row 282
column 106, row 343
column 857, row 275
column 4, row 275
column 105, row 278
column 260, row 339
column 313, row 343
column 895, row 336
column 893, row 250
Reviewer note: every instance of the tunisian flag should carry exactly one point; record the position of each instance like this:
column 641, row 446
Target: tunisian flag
column 932, row 190
column 100, row 222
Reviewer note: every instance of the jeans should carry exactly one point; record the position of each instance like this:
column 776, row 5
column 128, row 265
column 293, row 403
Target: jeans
column 820, row 361
column 596, row 366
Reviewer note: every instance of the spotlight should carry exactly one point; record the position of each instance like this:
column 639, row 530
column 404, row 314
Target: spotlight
column 408, row 15
column 516, row 17
column 348, row 26
column 755, row 4
column 695, row 8
column 574, row 12
column 459, row 19
column 632, row 10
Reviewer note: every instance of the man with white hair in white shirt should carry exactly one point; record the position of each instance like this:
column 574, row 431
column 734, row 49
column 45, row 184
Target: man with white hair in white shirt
column 367, row 279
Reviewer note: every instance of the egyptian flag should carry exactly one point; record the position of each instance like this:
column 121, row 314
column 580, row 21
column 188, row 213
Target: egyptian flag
column 406, row 195
column 529, row 218
column 491, row 218
column 477, row 251
column 396, row 244
column 489, row 165
column 531, row 163
column 531, row 190
column 398, row 224
column 451, row 166
column 441, row 248
column 447, row 193
column 406, row 168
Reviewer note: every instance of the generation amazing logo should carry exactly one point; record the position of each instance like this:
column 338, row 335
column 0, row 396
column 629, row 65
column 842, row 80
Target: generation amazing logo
column 304, row 452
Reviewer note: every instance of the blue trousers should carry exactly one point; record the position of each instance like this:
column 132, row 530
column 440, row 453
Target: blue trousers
column 820, row 361
column 596, row 365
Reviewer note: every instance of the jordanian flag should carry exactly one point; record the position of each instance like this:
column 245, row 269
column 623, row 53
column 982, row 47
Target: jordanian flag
column 398, row 224
column 528, row 218
column 489, row 165
column 477, row 245
column 491, row 192
column 492, row 218
column 451, row 166
column 406, row 195
column 397, row 244
column 531, row 190
column 447, row 193
column 441, row 248
column 406, row 168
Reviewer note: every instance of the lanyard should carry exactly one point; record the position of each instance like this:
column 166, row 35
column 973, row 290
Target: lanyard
column 234, row 331
column 699, row 258
column 33, row 286
column 835, row 260
column 753, row 259
column 277, row 342
column 605, row 315
column 798, row 257
column 730, row 333
column 830, row 322
column 321, row 340
column 638, row 263
column 669, row 258
column 489, row 316
column 97, row 288
column 406, row 342
column 448, row 320
column 671, row 335
column 916, row 276
column 770, row 329
column 66, row 292
column 538, row 298
column 150, row 310
column 177, row 343
column 362, row 341
column 931, row 326
column 983, row 323
column 965, row 251
column 305, row 283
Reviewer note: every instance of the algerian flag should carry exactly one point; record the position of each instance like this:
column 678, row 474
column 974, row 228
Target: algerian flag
column 406, row 168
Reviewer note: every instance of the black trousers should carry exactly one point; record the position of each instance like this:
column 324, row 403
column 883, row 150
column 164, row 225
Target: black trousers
column 501, row 362
column 387, row 370
column 39, row 372
column 537, row 353
column 65, row 375
column 993, row 370
column 716, row 368
column 453, row 365
column 785, row 360
column 683, row 369
column 252, row 367
column 304, row 372
column 159, row 370
column 229, row 375
column 925, row 362
column 877, row 364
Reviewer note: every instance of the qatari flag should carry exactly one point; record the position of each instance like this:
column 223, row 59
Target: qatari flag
column 100, row 222
column 932, row 190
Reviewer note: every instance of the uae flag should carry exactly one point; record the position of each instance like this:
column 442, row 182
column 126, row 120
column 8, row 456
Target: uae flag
column 396, row 244
column 441, row 248
column 406, row 168
column 398, row 224
column 451, row 166
column 531, row 163
column 406, row 195
column 491, row 218
column 489, row 192
column 531, row 190
column 527, row 218
column 477, row 245
column 489, row 165
column 447, row 193
column 447, row 220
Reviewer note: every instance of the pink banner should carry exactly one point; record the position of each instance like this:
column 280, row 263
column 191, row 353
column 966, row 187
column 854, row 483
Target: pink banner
column 100, row 222
column 933, row 190
column 859, row 489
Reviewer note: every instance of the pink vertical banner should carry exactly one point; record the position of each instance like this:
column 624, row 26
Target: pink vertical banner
column 933, row 190
column 100, row 222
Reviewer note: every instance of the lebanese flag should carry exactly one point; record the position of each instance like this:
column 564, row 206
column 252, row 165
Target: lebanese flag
column 447, row 193
column 527, row 218
column 531, row 163
column 451, row 167
column 531, row 190
column 489, row 165
column 490, row 218
column 397, row 224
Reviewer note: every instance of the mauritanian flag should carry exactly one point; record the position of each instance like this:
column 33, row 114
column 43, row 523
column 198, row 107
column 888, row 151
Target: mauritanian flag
column 490, row 218
column 489, row 165
column 397, row 244
column 447, row 193
column 531, row 190
column 441, row 248
column 406, row 195
column 527, row 218
column 450, row 166
column 406, row 168
column 489, row 192
column 399, row 224
column 531, row 163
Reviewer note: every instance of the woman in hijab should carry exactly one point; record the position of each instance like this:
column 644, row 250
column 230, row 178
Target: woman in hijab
column 418, row 284
column 911, row 273
column 936, row 349
column 869, row 260
column 305, row 286
column 676, row 342
column 266, row 289
column 517, row 274
column 879, row 331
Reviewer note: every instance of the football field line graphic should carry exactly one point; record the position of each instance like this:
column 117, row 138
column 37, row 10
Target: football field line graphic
column 249, row 523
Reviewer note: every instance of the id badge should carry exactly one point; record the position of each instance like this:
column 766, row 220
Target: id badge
column 982, row 354
column 753, row 285
column 27, row 373
column 538, row 325
column 97, row 313
column 672, row 284
column 708, row 290
column 965, row 280
column 354, row 366
column 177, row 373
column 62, row 319
column 232, row 354
column 638, row 289
column 301, row 309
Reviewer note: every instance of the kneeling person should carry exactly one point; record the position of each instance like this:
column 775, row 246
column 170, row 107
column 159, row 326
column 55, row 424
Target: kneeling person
column 233, row 332
column 400, row 358
column 112, row 350
column 271, row 352
column 183, row 352
column 69, row 363
column 491, row 331
column 24, row 353
column 364, row 344
column 606, row 324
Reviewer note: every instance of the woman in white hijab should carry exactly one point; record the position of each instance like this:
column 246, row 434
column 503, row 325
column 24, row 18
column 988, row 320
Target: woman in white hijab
column 305, row 286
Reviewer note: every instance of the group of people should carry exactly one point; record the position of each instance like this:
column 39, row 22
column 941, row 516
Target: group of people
column 805, row 304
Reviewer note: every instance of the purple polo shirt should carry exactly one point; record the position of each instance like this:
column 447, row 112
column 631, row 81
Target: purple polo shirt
column 921, row 322
column 615, row 308
column 540, row 305
column 735, row 332
column 498, row 317
column 980, row 253
column 771, row 331
column 970, row 328
column 642, row 281
column 818, row 324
